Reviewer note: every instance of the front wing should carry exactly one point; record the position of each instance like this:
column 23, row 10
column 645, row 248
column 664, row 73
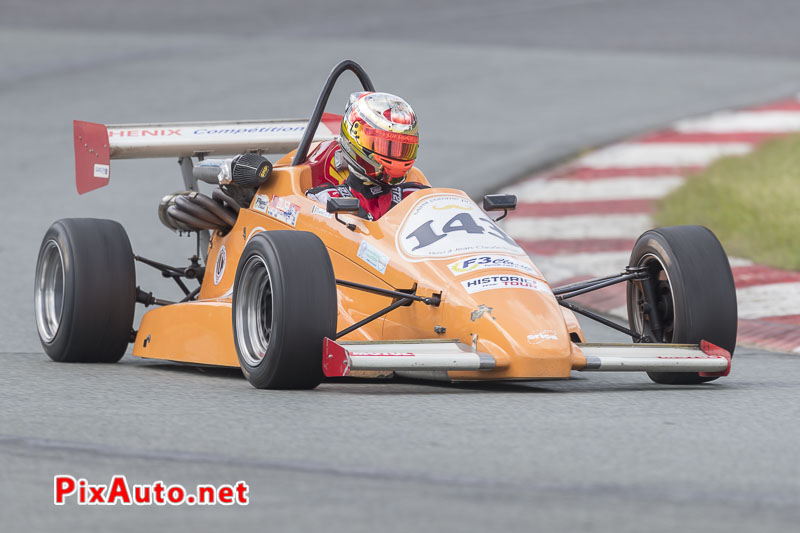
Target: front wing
column 339, row 358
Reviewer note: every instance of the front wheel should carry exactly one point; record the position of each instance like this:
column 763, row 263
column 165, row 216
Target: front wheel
column 284, row 305
column 690, row 297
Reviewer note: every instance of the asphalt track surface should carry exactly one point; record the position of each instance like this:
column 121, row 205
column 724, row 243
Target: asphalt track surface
column 501, row 88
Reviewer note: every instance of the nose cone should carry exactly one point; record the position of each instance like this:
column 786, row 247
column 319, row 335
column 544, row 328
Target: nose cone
column 516, row 319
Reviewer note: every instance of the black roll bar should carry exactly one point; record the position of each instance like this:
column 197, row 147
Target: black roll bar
column 322, row 101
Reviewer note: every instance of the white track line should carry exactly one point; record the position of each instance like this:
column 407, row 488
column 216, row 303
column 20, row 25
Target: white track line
column 630, row 155
column 769, row 300
column 540, row 190
column 742, row 122
column 739, row 262
column 577, row 227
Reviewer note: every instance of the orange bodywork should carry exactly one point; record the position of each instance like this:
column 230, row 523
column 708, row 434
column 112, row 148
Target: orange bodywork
column 526, row 331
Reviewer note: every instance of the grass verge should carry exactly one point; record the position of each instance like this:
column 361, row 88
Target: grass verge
column 751, row 202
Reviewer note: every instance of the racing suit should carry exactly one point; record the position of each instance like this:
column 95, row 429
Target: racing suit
column 376, row 200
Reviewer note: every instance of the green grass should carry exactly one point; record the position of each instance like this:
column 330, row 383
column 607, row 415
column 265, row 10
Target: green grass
column 751, row 202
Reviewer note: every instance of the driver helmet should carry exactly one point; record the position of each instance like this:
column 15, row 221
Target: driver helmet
column 379, row 137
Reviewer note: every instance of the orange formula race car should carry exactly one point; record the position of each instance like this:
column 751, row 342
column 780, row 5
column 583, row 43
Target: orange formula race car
column 292, row 290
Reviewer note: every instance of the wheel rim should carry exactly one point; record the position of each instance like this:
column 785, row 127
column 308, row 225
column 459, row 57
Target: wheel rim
column 254, row 311
column 665, row 304
column 49, row 293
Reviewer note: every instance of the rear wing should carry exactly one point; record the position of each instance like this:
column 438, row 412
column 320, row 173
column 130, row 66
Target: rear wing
column 97, row 144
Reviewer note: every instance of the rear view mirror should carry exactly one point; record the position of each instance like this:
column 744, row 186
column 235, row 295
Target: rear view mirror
column 497, row 202
column 343, row 205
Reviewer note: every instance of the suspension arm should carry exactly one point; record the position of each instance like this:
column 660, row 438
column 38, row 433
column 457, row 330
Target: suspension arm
column 434, row 300
column 582, row 287
column 606, row 322
column 193, row 271
column 394, row 305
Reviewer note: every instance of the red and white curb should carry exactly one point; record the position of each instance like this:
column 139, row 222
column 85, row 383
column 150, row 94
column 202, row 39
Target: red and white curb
column 580, row 220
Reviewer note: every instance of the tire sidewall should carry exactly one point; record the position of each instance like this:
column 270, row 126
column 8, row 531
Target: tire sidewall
column 303, row 308
column 99, row 293
column 701, row 283
column 58, row 347
column 267, row 368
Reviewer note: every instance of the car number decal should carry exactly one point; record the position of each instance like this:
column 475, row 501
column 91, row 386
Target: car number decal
column 447, row 225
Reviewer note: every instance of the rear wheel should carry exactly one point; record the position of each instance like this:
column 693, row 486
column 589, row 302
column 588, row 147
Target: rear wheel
column 284, row 305
column 85, row 291
column 691, row 296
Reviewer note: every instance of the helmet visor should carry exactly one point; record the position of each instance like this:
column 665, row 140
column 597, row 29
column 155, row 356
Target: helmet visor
column 399, row 146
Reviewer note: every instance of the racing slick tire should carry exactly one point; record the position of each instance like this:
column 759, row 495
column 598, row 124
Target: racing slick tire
column 694, row 292
column 284, row 305
column 85, row 291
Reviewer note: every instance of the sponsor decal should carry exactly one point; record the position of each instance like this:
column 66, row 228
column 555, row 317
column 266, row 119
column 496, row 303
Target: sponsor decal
column 385, row 354
column 397, row 195
column 221, row 130
column 541, row 336
column 284, row 210
column 481, row 262
column 486, row 283
column 219, row 267
column 144, row 133
column 317, row 210
column 261, row 203
column 344, row 191
column 373, row 257
column 101, row 171
column 446, row 225
column 238, row 131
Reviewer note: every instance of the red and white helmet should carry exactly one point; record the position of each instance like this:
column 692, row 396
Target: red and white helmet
column 379, row 137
